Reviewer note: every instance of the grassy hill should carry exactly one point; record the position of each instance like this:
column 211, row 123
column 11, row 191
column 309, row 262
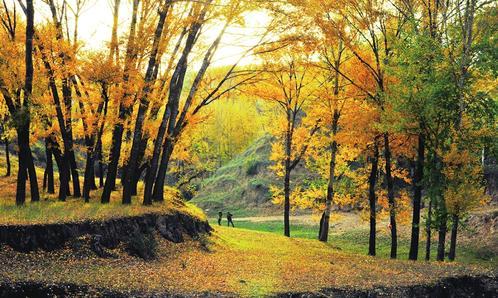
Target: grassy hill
column 242, row 185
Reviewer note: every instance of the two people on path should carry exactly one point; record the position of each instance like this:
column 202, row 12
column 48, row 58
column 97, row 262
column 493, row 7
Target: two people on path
column 229, row 218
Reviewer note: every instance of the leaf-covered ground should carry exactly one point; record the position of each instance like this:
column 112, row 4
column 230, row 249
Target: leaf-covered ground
column 50, row 210
column 236, row 261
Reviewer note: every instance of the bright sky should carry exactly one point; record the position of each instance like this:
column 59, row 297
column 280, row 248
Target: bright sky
column 95, row 27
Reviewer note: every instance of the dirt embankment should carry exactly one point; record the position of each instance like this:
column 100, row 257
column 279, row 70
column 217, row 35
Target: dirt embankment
column 108, row 233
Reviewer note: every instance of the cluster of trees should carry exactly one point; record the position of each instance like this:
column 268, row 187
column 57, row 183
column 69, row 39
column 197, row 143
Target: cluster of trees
column 373, row 96
column 126, row 105
column 378, row 97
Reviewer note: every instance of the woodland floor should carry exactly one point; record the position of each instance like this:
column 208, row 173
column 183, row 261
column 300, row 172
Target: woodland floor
column 50, row 210
column 349, row 232
column 231, row 261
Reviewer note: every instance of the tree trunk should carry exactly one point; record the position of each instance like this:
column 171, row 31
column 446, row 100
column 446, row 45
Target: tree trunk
column 49, row 169
column 417, row 198
column 117, row 134
column 21, row 173
column 112, row 169
column 175, row 90
column 287, row 202
column 390, row 196
column 372, row 180
column 324, row 230
column 25, row 157
column 63, row 171
column 428, row 232
column 158, row 193
column 152, row 171
column 7, row 157
column 442, row 233
column 454, row 230
column 128, row 188
column 88, row 176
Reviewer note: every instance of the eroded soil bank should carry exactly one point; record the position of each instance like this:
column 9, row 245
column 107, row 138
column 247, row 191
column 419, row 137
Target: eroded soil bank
column 108, row 233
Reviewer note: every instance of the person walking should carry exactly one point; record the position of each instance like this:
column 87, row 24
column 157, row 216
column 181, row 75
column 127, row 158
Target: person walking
column 220, row 216
column 229, row 219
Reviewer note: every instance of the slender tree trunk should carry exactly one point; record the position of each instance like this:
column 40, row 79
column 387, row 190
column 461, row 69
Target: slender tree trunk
column 428, row 232
column 152, row 171
column 7, row 157
column 117, row 134
column 417, row 198
column 372, row 180
column 324, row 230
column 390, row 196
column 21, row 173
column 442, row 234
column 88, row 176
column 25, row 157
column 49, row 170
column 112, row 169
column 158, row 192
column 287, row 168
column 175, row 90
column 133, row 164
column 287, row 202
column 63, row 171
column 454, row 230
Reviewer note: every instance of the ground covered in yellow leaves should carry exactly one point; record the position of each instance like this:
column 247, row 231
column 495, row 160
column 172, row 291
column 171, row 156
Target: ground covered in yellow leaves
column 50, row 210
column 230, row 261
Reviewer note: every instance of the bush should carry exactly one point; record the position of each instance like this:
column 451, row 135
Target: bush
column 142, row 245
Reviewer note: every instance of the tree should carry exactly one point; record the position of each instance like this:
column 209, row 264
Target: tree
column 20, row 108
column 290, row 85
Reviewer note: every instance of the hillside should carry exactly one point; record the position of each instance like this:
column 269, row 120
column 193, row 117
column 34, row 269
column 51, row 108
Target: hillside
column 242, row 186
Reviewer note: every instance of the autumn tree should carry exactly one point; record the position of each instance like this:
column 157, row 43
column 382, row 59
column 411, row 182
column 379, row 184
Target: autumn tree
column 290, row 85
column 18, row 94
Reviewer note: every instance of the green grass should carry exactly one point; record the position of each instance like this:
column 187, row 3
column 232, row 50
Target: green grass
column 355, row 240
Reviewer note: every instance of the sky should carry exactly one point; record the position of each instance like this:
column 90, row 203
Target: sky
column 95, row 25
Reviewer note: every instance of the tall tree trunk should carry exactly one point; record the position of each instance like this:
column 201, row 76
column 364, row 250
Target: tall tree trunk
column 142, row 110
column 7, row 157
column 89, row 165
column 124, row 110
column 154, row 162
column 372, row 180
column 158, row 192
column 454, row 230
column 390, row 196
column 324, row 229
column 25, row 157
column 21, row 173
column 287, row 168
column 49, row 169
column 114, row 47
column 417, row 198
column 443, row 219
column 428, row 230
column 175, row 90
column 112, row 168
column 63, row 171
